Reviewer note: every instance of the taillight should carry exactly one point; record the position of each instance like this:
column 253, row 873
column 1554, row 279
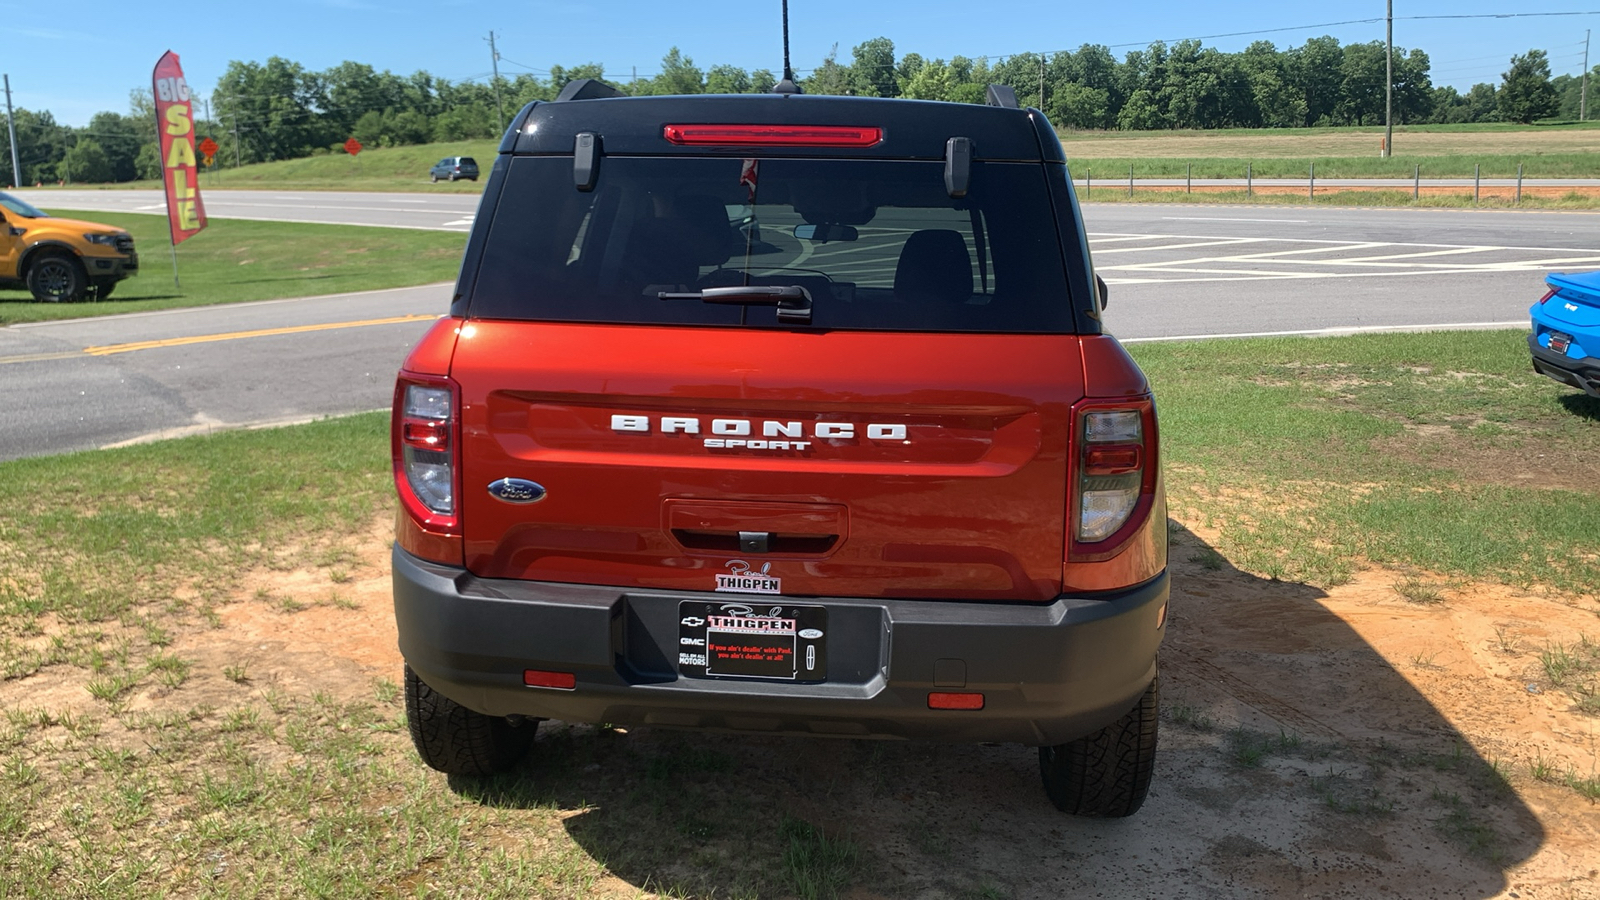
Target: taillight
column 1548, row 294
column 1117, row 467
column 426, row 418
column 1109, row 475
column 772, row 135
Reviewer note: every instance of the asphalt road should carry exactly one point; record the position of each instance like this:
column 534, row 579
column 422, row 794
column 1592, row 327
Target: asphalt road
column 1205, row 271
column 1175, row 272
column 88, row 383
column 433, row 212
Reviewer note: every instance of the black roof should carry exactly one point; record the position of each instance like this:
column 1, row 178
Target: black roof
column 912, row 129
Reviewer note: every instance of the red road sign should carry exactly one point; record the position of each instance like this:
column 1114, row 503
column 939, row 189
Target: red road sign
column 209, row 147
column 352, row 146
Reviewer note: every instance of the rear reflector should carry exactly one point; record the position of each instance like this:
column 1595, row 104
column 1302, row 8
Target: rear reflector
column 1114, row 460
column 426, row 435
column 537, row 678
column 772, row 135
column 1546, row 298
column 940, row 700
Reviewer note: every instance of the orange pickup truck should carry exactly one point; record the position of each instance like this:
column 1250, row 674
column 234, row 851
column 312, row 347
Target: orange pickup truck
column 60, row 260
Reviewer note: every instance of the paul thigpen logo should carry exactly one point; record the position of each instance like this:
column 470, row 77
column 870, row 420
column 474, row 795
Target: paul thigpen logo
column 740, row 579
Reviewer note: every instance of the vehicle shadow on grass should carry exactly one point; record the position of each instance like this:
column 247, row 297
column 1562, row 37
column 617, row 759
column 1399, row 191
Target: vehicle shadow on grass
column 1582, row 405
column 1294, row 760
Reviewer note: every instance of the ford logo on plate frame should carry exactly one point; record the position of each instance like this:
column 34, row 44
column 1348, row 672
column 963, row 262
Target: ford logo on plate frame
column 517, row 490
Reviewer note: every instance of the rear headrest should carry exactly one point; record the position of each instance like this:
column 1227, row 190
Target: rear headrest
column 934, row 268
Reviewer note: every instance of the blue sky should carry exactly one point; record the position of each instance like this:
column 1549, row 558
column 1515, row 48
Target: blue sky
column 79, row 64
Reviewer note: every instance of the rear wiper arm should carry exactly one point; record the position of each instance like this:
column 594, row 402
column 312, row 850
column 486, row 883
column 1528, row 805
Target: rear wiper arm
column 793, row 301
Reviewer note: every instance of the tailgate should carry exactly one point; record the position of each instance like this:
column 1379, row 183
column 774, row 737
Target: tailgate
column 810, row 463
column 1577, row 300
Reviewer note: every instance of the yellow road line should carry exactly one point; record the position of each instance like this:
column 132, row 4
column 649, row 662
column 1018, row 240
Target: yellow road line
column 40, row 357
column 109, row 349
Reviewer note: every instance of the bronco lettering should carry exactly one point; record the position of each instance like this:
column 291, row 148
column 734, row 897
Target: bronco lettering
column 769, row 428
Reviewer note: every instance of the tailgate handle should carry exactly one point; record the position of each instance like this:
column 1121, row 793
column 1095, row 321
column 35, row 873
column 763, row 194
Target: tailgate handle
column 755, row 541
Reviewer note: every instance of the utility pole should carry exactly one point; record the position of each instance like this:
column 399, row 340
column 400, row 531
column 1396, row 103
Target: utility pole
column 236, row 154
column 1041, row 82
column 11, row 127
column 494, row 60
column 1583, row 96
column 1388, row 85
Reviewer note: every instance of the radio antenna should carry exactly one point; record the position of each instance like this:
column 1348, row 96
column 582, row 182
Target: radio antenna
column 787, row 85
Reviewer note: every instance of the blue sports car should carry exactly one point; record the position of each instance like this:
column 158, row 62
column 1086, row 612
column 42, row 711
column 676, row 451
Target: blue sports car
column 1566, row 331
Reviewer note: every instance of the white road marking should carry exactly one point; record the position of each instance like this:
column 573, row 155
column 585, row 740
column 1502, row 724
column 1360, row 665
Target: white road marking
column 1211, row 242
column 1236, row 275
column 1225, row 219
column 1124, row 237
column 1331, row 332
column 1305, row 259
column 1213, row 237
column 466, row 221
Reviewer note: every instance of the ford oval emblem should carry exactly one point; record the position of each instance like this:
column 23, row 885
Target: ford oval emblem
column 517, row 490
column 810, row 634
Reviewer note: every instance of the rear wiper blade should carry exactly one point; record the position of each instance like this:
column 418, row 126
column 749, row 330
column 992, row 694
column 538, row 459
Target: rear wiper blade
column 793, row 301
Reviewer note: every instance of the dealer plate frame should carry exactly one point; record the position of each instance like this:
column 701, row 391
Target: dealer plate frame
column 752, row 640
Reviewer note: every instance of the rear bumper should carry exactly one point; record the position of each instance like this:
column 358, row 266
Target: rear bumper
column 1583, row 374
column 1049, row 673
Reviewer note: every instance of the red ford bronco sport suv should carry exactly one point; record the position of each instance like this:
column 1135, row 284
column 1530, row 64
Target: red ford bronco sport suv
column 789, row 414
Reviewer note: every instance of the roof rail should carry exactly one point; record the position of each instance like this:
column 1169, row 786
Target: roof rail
column 1001, row 95
column 587, row 89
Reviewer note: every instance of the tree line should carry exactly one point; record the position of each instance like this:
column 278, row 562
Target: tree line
column 276, row 110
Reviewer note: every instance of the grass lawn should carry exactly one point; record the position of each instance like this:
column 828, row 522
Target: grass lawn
column 140, row 763
column 374, row 169
column 1565, row 150
column 1439, row 453
column 234, row 261
column 1425, row 141
column 1558, row 150
column 1404, row 166
column 1436, row 198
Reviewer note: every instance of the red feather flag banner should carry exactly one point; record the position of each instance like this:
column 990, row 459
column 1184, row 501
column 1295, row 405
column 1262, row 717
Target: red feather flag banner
column 186, row 215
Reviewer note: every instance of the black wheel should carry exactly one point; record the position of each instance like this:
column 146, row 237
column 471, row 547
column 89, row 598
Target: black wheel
column 472, row 178
column 1106, row 774
column 458, row 741
column 434, row 178
column 57, row 278
column 102, row 290
column 452, row 178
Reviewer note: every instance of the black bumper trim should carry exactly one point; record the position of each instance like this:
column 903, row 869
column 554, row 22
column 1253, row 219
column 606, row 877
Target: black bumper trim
column 1583, row 374
column 1050, row 672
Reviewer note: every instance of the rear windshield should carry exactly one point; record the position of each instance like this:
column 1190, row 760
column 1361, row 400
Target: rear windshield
column 878, row 244
column 468, row 161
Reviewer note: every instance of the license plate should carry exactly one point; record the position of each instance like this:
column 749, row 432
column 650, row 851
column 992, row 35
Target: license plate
column 1560, row 342
column 752, row 640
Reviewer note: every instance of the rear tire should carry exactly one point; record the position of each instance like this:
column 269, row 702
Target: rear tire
column 1106, row 774
column 57, row 278
column 459, row 741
